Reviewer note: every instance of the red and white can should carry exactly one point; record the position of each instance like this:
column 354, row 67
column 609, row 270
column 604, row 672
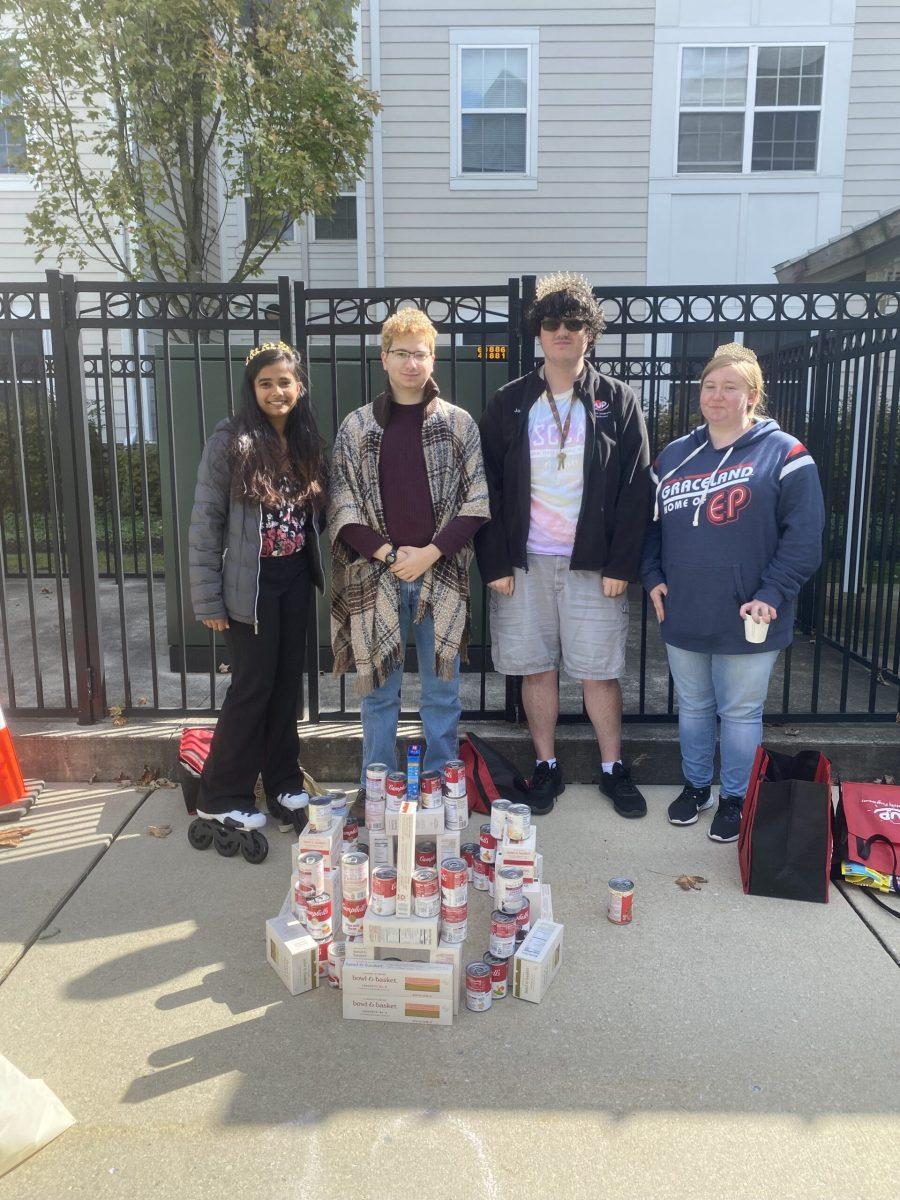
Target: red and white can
column 479, row 992
column 456, row 811
column 499, row 809
column 431, row 793
column 319, row 811
column 481, row 879
column 454, row 882
column 337, row 953
column 522, row 913
column 352, row 914
column 350, row 835
column 324, row 948
column 426, row 854
column 310, row 875
column 354, row 875
column 487, row 843
column 509, row 883
column 620, row 896
column 376, row 774
column 426, row 892
column 503, row 934
column 518, row 822
column 470, row 851
column 394, row 790
column 454, row 923
column 499, row 974
column 319, row 917
column 384, row 891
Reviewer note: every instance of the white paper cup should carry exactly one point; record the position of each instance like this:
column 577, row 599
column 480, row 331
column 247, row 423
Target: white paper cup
column 755, row 631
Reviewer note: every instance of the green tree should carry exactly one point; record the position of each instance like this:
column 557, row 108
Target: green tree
column 138, row 113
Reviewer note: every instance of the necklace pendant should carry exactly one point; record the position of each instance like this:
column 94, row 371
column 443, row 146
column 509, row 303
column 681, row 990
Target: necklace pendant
column 561, row 460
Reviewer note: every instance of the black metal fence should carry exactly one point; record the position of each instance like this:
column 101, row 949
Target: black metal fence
column 108, row 391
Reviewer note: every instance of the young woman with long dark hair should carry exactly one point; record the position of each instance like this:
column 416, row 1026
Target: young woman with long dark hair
column 253, row 556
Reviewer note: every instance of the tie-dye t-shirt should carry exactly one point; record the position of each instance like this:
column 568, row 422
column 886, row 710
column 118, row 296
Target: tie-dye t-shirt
column 555, row 492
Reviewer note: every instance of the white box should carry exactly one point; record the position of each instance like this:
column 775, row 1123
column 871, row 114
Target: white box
column 537, row 961
column 293, row 954
column 412, row 1009
column 414, row 932
column 406, row 856
column 538, row 894
column 451, row 952
column 521, row 854
column 429, row 822
column 329, row 843
column 427, row 980
column 381, row 850
column 448, row 844
column 359, row 950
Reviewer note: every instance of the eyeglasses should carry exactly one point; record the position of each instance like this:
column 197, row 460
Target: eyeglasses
column 551, row 324
column 418, row 356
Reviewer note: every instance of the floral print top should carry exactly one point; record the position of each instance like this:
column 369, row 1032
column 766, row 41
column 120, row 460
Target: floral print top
column 283, row 528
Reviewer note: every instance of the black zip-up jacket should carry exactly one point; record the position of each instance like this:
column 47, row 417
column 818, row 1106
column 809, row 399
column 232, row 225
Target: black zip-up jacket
column 615, row 503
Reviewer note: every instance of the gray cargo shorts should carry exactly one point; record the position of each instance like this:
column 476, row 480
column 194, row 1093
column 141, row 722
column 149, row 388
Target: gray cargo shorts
column 558, row 616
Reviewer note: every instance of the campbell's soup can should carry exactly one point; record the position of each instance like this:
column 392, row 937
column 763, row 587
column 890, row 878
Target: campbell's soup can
column 499, row 974
column 455, row 777
column 478, row 987
column 487, row 843
column 375, row 815
column 470, row 851
column 351, row 833
column 318, row 916
column 456, row 812
column 352, row 915
column 521, row 910
column 426, row 854
column 481, row 880
column 499, row 809
column 426, row 892
column 518, row 822
column 395, row 790
column 454, row 923
column 503, row 934
column 339, row 805
column 310, row 873
column 376, row 774
column 454, row 882
column 324, row 947
column 620, row 896
column 355, row 874
column 384, row 891
column 319, row 814
column 337, row 953
column 431, row 794
column 509, row 883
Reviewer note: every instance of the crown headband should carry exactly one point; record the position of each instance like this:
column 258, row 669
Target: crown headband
column 282, row 346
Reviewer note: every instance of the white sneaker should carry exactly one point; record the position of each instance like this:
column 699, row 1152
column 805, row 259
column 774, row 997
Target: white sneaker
column 241, row 818
column 293, row 801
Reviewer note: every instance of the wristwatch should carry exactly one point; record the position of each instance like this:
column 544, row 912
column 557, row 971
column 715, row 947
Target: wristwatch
column 391, row 557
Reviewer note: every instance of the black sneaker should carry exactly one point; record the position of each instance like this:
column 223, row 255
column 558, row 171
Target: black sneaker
column 726, row 824
column 686, row 807
column 546, row 784
column 357, row 808
column 627, row 800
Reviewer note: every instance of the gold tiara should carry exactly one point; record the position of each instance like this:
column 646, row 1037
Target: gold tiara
column 282, row 346
column 736, row 352
column 564, row 281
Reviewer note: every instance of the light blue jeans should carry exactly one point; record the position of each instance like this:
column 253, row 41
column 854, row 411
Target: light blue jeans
column 732, row 687
column 439, row 705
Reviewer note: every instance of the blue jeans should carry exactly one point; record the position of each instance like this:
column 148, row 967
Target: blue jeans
column 439, row 705
column 734, row 687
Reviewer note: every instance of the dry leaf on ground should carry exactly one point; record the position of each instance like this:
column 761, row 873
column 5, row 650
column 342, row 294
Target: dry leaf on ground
column 146, row 777
column 162, row 782
column 46, row 592
column 13, row 836
column 142, row 701
column 689, row 883
column 118, row 715
column 159, row 831
column 224, row 668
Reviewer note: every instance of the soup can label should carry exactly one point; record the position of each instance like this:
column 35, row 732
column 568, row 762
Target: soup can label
column 355, row 874
column 426, row 854
column 478, row 987
column 499, row 974
column 431, row 790
column 319, row 917
column 319, row 813
column 454, row 923
column 481, row 880
column 499, row 809
column 503, row 934
column 509, row 883
column 620, row 896
column 518, row 822
column 376, row 774
column 337, row 952
column 384, row 881
column 487, row 843
column 426, row 892
column 456, row 812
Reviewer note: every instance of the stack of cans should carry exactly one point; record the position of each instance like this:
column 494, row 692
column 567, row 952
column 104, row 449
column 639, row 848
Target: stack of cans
column 310, row 879
column 456, row 804
column 454, row 899
column 354, row 892
column 376, row 775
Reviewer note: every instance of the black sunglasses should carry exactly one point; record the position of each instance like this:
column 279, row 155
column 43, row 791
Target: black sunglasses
column 551, row 324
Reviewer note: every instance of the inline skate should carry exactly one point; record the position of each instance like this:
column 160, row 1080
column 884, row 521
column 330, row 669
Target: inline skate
column 230, row 832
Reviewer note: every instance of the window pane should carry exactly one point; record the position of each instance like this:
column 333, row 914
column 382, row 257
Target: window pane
column 493, row 142
column 785, row 141
column 789, row 75
column 711, row 142
column 339, row 226
column 494, row 78
column 714, row 76
column 12, row 140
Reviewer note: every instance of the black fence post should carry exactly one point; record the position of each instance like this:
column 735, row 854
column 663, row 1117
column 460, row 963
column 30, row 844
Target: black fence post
column 78, row 499
column 301, row 341
column 529, row 286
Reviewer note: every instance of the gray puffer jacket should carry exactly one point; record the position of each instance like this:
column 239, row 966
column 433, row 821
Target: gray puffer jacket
column 224, row 540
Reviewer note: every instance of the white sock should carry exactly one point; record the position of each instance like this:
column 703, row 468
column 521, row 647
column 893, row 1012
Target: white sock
column 551, row 762
column 607, row 767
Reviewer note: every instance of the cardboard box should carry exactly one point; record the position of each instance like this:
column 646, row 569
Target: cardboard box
column 414, row 932
column 538, row 894
column 358, row 950
column 520, row 854
column 429, row 823
column 452, row 953
column 329, row 843
column 413, row 1009
column 406, row 856
column 293, row 954
column 537, row 961
column 448, row 844
column 427, row 980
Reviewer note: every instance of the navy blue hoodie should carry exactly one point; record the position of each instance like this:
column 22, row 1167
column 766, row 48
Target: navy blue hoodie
column 732, row 525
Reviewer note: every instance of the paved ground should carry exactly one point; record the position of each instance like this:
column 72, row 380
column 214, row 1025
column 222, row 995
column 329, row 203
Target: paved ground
column 721, row 1045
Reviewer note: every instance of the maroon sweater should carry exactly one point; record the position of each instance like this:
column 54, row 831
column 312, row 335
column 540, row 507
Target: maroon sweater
column 405, row 495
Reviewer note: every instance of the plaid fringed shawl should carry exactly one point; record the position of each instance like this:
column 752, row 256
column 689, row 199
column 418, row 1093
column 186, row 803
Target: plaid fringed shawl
column 365, row 596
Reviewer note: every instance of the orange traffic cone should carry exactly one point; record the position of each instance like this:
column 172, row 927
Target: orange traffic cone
column 16, row 796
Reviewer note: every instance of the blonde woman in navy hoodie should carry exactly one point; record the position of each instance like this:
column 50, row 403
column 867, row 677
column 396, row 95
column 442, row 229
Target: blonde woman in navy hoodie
column 736, row 532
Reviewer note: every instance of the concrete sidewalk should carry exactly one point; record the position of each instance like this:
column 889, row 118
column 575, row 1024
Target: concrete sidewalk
column 721, row 1045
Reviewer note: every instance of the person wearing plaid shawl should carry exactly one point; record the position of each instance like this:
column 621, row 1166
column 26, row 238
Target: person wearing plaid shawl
column 408, row 492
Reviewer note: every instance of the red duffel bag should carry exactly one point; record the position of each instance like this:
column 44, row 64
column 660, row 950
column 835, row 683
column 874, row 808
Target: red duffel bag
column 867, row 827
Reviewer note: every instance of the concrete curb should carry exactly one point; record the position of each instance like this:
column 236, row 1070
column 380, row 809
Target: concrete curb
column 61, row 750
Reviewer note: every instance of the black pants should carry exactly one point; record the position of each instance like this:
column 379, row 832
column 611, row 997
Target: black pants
column 257, row 727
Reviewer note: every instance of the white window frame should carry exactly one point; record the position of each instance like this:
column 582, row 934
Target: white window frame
column 314, row 235
column 16, row 181
column 750, row 109
column 508, row 38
